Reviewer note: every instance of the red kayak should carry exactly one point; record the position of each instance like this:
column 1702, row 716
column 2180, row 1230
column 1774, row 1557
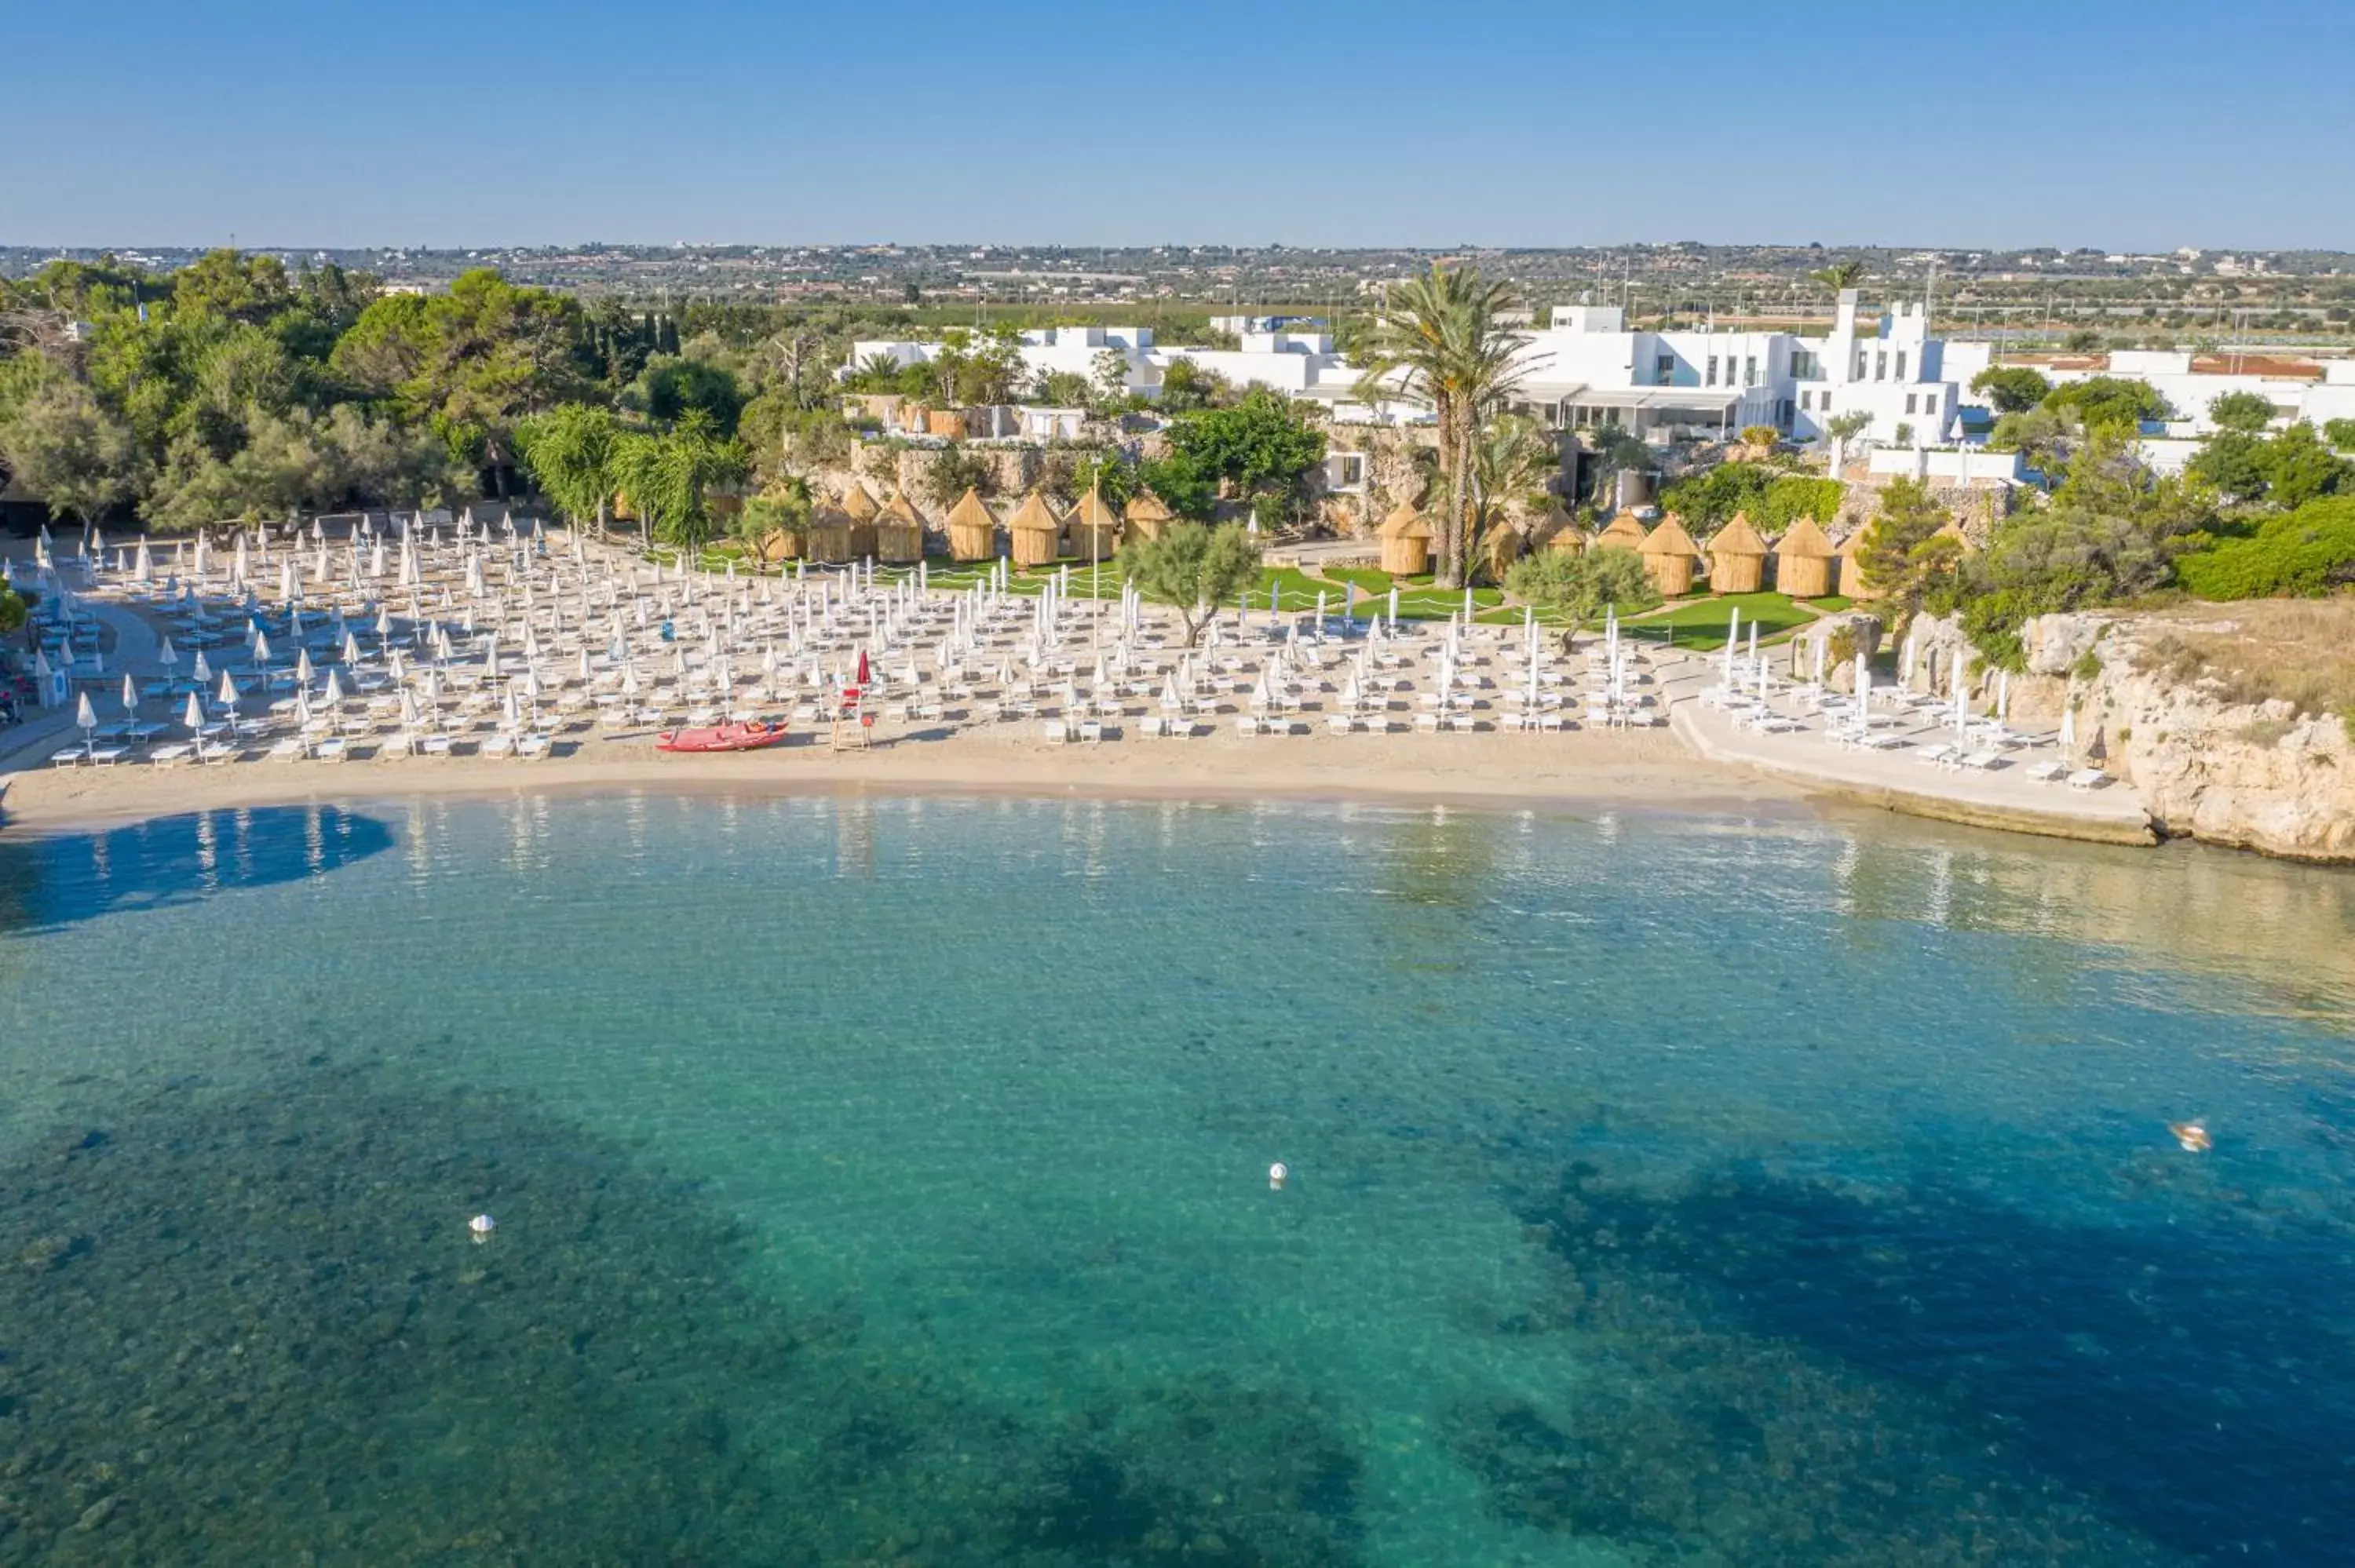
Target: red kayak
column 721, row 738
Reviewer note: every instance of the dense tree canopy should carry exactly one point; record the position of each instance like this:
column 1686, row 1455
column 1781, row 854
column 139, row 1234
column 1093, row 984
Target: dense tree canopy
column 2108, row 402
column 2011, row 388
column 1262, row 452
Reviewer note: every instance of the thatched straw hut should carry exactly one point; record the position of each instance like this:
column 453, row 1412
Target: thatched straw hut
column 1737, row 559
column 1851, row 573
column 1506, row 541
column 1093, row 527
column 1626, row 532
column 1803, row 560
column 972, row 532
column 1669, row 554
column 1148, row 513
column 859, row 506
column 1555, row 529
column 830, row 535
column 1034, row 531
column 900, row 531
column 1406, row 542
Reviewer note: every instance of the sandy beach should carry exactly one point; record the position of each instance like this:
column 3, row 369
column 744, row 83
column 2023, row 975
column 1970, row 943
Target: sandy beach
column 1495, row 769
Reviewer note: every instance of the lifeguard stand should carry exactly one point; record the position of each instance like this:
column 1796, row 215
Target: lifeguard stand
column 852, row 722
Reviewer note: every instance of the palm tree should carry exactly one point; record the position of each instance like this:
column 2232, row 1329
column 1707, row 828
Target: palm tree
column 1442, row 337
column 1840, row 275
column 1513, row 463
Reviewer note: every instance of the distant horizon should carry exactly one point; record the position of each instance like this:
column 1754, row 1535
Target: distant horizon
column 1457, row 247
column 1315, row 123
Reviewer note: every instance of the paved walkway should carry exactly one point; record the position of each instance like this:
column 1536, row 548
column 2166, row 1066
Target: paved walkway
column 2004, row 797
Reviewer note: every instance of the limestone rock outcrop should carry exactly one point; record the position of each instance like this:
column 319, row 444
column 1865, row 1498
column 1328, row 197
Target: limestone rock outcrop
column 2251, row 775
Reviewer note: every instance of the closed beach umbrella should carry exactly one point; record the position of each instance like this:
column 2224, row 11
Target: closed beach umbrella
column 302, row 667
column 204, row 671
column 169, row 658
column 85, row 716
column 130, row 697
column 228, row 694
column 193, row 715
column 333, row 694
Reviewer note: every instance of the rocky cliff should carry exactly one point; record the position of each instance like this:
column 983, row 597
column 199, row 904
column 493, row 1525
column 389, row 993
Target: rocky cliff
column 2177, row 706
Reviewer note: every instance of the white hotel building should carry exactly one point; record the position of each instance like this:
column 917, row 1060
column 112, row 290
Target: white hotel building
column 1587, row 368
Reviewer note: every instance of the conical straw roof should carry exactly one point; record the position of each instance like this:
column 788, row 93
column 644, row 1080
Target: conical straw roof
column 899, row 509
column 1669, row 539
column 1804, row 540
column 1146, row 507
column 1034, row 514
column 1737, row 538
column 1094, row 511
column 1405, row 522
column 1626, row 532
column 969, row 511
column 859, row 502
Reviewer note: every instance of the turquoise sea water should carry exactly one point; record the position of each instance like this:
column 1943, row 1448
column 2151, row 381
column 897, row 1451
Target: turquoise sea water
column 885, row 1181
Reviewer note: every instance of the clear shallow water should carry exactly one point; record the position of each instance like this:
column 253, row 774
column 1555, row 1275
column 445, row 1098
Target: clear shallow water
column 883, row 1181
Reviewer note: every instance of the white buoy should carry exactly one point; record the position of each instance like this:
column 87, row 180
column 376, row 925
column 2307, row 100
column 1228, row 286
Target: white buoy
column 482, row 1225
column 1278, row 1174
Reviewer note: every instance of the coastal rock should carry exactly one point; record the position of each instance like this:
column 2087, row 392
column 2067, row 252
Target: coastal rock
column 2247, row 774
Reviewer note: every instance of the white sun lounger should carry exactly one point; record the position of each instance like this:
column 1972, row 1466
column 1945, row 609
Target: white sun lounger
column 2088, row 778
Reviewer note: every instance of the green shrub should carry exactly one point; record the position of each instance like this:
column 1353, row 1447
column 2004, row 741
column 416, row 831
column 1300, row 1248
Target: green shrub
column 2308, row 552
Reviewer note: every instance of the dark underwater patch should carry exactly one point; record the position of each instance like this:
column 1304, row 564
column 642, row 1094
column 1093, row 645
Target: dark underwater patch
column 1907, row 1370
column 255, row 1329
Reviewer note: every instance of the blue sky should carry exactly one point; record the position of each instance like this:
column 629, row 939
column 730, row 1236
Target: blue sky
column 2099, row 122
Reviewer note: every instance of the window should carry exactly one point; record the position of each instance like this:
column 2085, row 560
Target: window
column 1863, row 363
column 1712, row 370
column 1909, row 402
column 1901, row 364
column 1750, row 371
column 1881, row 365
column 1665, row 366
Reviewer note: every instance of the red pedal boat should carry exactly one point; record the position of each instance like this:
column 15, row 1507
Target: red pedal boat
column 750, row 736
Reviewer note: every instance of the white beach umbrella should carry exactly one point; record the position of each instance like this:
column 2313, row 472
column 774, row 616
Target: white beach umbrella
column 85, row 716
column 228, row 694
column 333, row 695
column 204, row 670
column 193, row 715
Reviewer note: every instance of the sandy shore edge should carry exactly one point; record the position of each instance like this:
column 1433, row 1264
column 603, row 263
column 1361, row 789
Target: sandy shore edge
column 1637, row 773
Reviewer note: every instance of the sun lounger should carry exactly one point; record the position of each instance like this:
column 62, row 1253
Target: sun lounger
column 172, row 755
column 332, row 750
column 287, row 748
column 1982, row 761
column 2088, row 778
column 69, row 757
column 2046, row 771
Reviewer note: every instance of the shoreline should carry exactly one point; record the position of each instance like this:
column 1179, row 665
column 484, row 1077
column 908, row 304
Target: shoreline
column 1482, row 771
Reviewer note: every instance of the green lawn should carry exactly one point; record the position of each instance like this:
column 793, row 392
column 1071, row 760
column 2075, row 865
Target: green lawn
column 1700, row 623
